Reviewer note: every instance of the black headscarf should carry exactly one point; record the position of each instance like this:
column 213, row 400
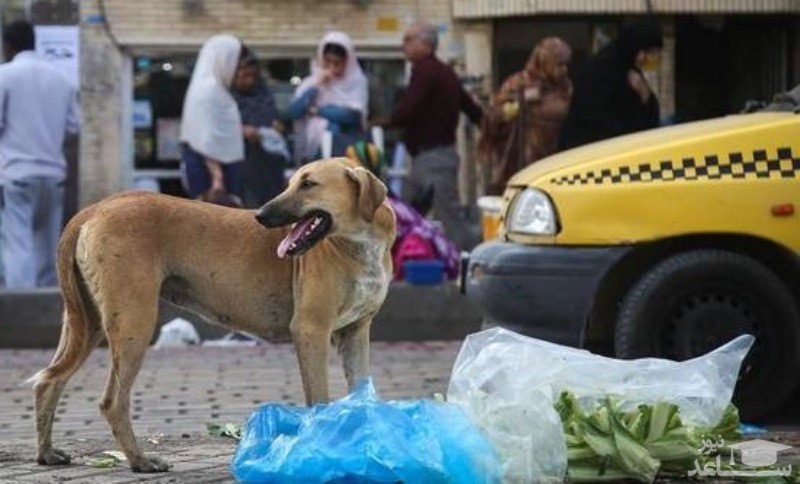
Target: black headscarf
column 636, row 37
column 603, row 103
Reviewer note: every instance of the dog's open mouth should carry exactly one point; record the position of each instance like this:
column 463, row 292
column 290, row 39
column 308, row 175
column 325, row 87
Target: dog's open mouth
column 305, row 233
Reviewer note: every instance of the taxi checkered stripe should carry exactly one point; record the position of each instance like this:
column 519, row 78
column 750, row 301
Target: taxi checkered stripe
column 786, row 164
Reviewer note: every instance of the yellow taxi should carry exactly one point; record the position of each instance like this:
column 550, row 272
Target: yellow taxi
column 665, row 243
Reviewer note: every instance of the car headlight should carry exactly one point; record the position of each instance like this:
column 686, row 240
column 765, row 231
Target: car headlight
column 532, row 213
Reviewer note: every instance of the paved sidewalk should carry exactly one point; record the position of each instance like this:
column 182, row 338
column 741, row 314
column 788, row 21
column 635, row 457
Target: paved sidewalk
column 178, row 391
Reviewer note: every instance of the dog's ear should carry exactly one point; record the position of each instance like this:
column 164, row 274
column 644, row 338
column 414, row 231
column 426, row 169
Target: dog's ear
column 371, row 191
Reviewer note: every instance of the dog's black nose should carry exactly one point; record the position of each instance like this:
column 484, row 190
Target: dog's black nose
column 275, row 215
column 264, row 219
column 270, row 216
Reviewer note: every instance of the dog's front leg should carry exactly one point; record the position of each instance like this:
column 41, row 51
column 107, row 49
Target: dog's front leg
column 354, row 349
column 311, row 341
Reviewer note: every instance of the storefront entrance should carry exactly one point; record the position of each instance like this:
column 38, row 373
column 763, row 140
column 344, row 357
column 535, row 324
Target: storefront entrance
column 721, row 62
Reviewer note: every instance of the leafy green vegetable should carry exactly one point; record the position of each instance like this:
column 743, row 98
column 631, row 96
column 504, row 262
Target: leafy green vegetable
column 660, row 416
column 109, row 458
column 566, row 406
column 632, row 456
column 231, row 430
column 607, row 444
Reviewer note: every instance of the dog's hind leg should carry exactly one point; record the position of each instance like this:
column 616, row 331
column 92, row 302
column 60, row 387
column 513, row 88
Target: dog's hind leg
column 47, row 396
column 80, row 333
column 130, row 320
column 50, row 382
column 353, row 346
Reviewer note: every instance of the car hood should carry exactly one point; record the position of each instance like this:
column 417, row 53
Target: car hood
column 603, row 153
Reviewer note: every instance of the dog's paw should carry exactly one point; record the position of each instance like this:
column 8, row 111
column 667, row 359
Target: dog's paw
column 53, row 457
column 150, row 464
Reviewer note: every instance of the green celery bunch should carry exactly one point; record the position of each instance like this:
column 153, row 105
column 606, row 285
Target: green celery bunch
column 608, row 444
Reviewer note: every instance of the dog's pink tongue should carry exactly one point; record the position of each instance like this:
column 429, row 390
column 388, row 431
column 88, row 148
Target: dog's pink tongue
column 284, row 246
column 294, row 235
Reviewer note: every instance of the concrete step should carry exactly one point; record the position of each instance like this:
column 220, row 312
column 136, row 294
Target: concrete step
column 32, row 318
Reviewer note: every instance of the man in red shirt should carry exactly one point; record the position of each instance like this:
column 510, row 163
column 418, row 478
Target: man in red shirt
column 428, row 111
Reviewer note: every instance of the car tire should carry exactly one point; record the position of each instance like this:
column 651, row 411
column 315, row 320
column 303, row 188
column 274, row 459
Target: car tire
column 696, row 301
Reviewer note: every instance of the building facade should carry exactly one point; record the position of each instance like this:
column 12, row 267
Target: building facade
column 135, row 58
column 138, row 57
column 718, row 54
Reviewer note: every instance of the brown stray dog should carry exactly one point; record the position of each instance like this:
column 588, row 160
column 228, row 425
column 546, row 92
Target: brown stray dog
column 117, row 257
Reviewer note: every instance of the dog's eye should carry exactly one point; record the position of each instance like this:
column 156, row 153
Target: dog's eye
column 306, row 184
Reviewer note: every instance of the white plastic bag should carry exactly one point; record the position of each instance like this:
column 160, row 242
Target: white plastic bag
column 177, row 332
column 508, row 384
column 273, row 142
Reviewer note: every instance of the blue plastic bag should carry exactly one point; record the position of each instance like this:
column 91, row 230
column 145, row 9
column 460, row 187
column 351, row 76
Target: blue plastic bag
column 362, row 439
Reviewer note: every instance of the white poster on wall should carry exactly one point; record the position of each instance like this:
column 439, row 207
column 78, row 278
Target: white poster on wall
column 60, row 45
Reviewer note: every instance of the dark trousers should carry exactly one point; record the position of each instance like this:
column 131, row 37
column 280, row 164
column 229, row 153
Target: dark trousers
column 197, row 179
column 433, row 184
column 262, row 176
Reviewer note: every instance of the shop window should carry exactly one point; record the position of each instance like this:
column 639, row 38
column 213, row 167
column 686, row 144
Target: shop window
column 283, row 76
column 386, row 78
column 159, row 87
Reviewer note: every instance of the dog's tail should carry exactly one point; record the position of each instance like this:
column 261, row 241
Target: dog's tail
column 79, row 322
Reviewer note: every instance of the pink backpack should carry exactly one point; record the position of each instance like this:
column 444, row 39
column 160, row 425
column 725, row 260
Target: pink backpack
column 412, row 247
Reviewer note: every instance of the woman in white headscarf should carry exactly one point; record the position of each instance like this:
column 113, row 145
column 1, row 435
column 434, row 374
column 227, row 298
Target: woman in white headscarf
column 333, row 98
column 211, row 127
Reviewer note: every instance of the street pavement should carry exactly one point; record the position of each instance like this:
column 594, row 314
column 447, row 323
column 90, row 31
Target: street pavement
column 178, row 391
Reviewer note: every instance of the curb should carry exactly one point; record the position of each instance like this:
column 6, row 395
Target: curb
column 32, row 318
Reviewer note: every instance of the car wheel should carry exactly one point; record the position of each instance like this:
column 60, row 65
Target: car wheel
column 696, row 301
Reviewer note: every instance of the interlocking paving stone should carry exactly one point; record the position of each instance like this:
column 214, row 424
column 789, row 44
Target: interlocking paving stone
column 177, row 392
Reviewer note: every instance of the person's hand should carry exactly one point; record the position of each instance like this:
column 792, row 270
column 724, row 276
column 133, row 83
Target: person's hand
column 217, row 187
column 251, row 133
column 324, row 76
column 278, row 126
column 217, row 179
column 638, row 83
